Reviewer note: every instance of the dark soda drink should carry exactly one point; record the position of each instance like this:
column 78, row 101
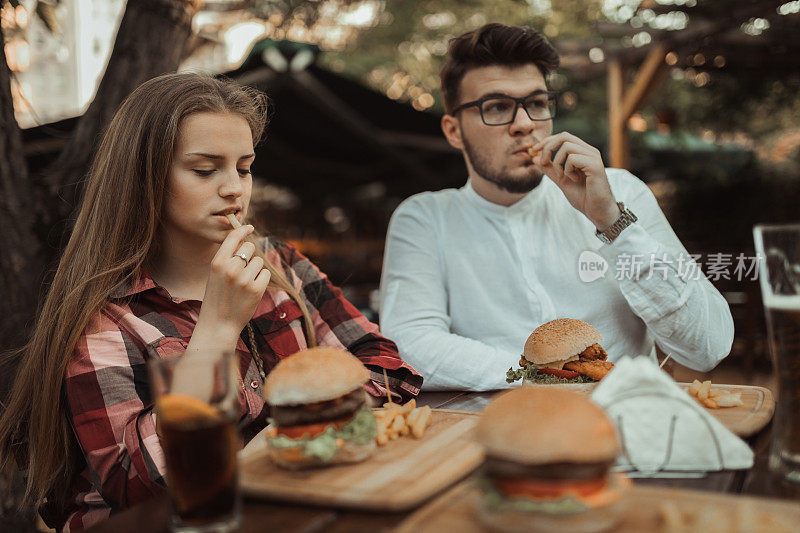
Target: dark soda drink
column 783, row 322
column 200, row 445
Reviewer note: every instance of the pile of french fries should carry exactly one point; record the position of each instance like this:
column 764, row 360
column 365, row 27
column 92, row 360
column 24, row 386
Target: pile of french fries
column 395, row 420
column 712, row 398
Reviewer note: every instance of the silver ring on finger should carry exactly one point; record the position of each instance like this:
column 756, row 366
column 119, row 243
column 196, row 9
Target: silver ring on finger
column 243, row 257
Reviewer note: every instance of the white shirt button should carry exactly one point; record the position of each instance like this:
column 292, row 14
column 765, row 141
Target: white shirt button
column 283, row 315
column 254, row 384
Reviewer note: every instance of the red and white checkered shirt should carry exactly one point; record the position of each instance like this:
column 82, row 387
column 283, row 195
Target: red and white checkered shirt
column 107, row 386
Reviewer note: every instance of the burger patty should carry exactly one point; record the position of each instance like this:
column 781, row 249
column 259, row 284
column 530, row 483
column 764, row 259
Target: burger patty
column 312, row 413
column 555, row 471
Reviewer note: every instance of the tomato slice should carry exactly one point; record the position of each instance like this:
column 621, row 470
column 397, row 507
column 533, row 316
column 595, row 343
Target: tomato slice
column 548, row 488
column 311, row 430
column 559, row 372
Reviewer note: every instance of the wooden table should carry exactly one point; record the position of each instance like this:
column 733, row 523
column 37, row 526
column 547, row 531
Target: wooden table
column 258, row 515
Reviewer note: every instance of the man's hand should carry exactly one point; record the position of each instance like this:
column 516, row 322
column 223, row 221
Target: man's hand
column 578, row 170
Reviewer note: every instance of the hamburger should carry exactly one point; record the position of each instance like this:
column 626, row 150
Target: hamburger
column 565, row 350
column 320, row 412
column 551, row 475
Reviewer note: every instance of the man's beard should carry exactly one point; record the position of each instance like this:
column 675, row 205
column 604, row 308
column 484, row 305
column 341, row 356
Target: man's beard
column 482, row 166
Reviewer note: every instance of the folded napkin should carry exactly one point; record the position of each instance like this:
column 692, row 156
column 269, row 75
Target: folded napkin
column 662, row 428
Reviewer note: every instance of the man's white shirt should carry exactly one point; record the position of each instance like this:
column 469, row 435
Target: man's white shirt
column 466, row 281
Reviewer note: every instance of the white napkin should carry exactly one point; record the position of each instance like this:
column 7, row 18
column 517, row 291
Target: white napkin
column 662, row 428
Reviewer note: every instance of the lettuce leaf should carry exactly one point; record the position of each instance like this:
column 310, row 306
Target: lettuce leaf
column 360, row 429
column 531, row 374
column 494, row 500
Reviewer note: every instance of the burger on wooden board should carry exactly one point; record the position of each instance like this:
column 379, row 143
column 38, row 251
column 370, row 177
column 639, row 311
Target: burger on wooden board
column 565, row 350
column 549, row 453
column 320, row 412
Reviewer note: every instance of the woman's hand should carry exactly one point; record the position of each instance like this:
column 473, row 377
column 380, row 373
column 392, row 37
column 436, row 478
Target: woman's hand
column 235, row 286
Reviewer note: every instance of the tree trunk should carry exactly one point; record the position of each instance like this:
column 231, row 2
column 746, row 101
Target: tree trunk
column 19, row 256
column 149, row 42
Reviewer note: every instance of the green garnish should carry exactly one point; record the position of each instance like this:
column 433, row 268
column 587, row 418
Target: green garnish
column 361, row 429
column 531, row 374
column 494, row 500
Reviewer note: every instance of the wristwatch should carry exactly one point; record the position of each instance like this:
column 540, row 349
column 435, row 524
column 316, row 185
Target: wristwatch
column 625, row 219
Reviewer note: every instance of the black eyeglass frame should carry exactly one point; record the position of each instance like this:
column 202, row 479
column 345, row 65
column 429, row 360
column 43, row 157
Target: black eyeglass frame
column 551, row 96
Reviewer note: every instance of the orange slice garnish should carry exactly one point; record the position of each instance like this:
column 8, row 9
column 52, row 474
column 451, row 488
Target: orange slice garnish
column 180, row 409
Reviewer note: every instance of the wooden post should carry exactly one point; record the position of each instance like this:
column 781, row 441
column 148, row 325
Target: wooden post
column 645, row 80
column 623, row 103
column 617, row 131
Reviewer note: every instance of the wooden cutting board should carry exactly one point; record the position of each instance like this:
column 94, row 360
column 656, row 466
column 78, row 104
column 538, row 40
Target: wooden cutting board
column 647, row 509
column 397, row 477
column 744, row 420
column 748, row 419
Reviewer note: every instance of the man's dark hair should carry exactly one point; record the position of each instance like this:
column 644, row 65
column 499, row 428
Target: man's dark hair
column 493, row 44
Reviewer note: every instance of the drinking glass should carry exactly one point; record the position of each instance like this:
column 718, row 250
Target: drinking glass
column 196, row 411
column 778, row 249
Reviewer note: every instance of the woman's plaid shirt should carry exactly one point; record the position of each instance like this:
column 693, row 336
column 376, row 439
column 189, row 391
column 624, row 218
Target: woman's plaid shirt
column 107, row 386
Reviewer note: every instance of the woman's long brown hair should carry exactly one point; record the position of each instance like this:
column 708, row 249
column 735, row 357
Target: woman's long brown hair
column 115, row 234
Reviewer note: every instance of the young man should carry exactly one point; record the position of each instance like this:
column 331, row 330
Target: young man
column 469, row 273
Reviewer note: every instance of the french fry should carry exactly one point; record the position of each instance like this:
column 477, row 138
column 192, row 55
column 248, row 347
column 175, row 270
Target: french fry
column 413, row 415
column 395, row 420
column 392, row 410
column 421, row 422
column 234, row 221
column 398, row 424
column 407, row 407
column 702, row 394
column 729, row 400
column 532, row 152
column 714, row 398
column 710, row 403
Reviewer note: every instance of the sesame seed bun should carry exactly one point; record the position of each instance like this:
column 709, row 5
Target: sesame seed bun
column 540, row 425
column 559, row 339
column 314, row 375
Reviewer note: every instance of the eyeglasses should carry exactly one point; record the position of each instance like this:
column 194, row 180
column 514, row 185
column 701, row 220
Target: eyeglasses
column 502, row 110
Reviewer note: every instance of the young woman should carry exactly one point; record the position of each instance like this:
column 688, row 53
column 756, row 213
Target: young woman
column 153, row 268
